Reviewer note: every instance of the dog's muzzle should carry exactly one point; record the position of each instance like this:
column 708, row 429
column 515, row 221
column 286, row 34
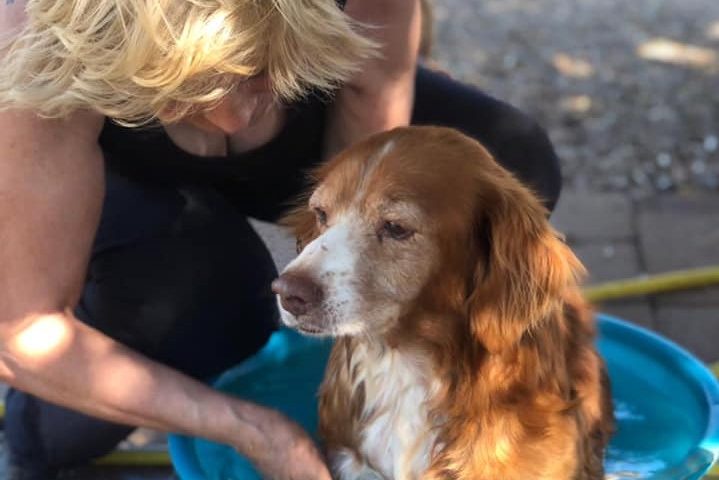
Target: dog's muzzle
column 298, row 294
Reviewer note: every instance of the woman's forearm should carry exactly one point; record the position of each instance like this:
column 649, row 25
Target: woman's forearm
column 58, row 358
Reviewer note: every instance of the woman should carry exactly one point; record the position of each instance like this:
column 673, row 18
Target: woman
column 129, row 268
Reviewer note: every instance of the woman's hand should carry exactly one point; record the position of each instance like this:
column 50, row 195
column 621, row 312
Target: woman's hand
column 282, row 450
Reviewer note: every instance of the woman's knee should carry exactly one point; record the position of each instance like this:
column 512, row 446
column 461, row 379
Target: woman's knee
column 191, row 290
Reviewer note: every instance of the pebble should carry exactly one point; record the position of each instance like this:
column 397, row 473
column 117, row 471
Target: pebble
column 510, row 61
column 664, row 160
column 618, row 182
column 664, row 182
column 639, row 176
column 711, row 143
column 660, row 113
column 679, row 174
column 698, row 167
column 709, row 180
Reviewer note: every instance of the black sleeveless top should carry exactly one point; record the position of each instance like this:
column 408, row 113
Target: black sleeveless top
column 262, row 182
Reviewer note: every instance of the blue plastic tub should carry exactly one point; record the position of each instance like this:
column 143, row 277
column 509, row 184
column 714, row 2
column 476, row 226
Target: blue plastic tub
column 666, row 401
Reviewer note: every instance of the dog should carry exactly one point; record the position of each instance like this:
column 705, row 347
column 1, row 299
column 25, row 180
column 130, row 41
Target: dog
column 464, row 348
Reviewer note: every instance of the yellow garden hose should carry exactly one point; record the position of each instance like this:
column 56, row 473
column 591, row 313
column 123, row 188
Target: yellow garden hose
column 653, row 284
column 135, row 458
column 632, row 287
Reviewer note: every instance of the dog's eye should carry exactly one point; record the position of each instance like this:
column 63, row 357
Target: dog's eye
column 396, row 231
column 321, row 216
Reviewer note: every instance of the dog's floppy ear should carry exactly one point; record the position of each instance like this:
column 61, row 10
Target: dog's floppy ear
column 523, row 266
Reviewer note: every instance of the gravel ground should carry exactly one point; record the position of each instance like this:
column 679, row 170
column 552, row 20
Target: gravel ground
column 626, row 89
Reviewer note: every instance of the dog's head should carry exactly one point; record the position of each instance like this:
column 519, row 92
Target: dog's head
column 421, row 216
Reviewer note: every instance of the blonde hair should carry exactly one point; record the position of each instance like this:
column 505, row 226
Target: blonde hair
column 134, row 59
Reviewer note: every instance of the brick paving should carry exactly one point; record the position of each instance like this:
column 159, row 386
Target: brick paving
column 618, row 238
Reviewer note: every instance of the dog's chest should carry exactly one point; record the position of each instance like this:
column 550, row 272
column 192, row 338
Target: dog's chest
column 396, row 434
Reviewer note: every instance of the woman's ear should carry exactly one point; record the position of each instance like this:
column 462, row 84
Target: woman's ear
column 525, row 267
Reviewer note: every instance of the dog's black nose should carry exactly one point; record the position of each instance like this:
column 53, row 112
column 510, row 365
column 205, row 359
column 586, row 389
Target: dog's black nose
column 298, row 293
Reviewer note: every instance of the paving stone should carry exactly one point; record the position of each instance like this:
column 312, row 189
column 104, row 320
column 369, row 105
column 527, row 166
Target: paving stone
column 695, row 328
column 706, row 297
column 591, row 217
column 636, row 310
column 608, row 260
column 678, row 233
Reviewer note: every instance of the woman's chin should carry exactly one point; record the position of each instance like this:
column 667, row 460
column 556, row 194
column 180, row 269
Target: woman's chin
column 264, row 126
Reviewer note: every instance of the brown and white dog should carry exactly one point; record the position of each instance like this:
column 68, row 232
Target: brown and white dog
column 464, row 349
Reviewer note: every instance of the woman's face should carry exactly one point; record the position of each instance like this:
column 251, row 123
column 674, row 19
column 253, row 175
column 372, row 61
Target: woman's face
column 244, row 107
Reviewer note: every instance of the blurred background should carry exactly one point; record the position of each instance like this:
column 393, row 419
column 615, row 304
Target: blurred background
column 627, row 89
column 629, row 93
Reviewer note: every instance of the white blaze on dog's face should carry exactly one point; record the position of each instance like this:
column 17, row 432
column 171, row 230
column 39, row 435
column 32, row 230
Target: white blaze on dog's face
column 373, row 253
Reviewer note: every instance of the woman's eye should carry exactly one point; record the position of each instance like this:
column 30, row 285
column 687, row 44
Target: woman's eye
column 321, row 216
column 396, row 231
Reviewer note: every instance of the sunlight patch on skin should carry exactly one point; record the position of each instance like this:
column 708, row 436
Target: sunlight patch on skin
column 43, row 337
column 669, row 51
